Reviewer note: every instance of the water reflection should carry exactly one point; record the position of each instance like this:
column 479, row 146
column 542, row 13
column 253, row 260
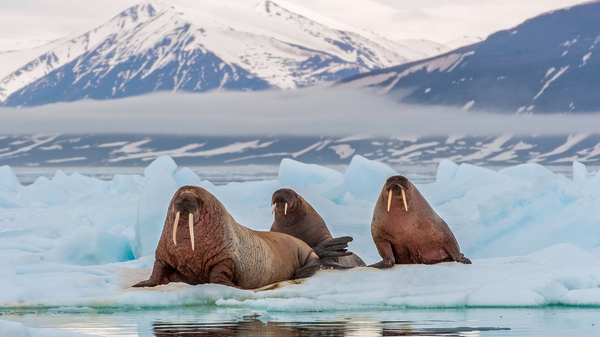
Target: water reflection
column 258, row 325
column 219, row 321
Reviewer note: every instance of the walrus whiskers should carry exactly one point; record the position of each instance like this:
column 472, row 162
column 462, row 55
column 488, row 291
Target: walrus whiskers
column 175, row 228
column 403, row 199
column 273, row 210
column 192, row 229
column 390, row 200
column 285, row 210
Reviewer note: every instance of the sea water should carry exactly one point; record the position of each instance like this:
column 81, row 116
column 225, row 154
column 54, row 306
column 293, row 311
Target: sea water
column 210, row 321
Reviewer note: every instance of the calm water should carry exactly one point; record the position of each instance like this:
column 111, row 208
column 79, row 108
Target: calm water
column 211, row 321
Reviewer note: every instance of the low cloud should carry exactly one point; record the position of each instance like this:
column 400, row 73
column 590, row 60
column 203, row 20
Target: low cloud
column 313, row 111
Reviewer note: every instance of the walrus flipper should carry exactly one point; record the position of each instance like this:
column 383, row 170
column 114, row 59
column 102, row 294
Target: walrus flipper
column 463, row 259
column 329, row 262
column 385, row 250
column 333, row 248
column 161, row 274
column 309, row 269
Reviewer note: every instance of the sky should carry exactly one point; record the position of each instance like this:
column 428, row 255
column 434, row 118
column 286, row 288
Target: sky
column 26, row 23
column 312, row 111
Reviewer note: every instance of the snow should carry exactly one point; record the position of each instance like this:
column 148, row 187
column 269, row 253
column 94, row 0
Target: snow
column 533, row 237
column 557, row 75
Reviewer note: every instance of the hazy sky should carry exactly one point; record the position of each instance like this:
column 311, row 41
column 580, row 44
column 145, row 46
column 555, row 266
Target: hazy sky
column 313, row 111
column 438, row 20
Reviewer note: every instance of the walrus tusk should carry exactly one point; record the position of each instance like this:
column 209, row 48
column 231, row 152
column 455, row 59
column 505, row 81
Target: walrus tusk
column 175, row 228
column 192, row 229
column 273, row 210
column 404, row 199
column 285, row 210
column 389, row 200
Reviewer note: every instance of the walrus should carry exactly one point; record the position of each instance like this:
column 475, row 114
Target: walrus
column 296, row 217
column 216, row 249
column 406, row 230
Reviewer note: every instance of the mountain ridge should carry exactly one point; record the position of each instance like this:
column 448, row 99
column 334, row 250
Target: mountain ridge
column 545, row 65
column 154, row 46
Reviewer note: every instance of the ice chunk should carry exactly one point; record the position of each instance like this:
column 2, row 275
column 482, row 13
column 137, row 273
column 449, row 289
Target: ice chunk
column 90, row 246
column 185, row 176
column 9, row 179
column 528, row 172
column 160, row 164
column 446, row 171
column 580, row 172
column 249, row 202
column 321, row 180
column 152, row 211
column 47, row 192
column 365, row 178
column 122, row 184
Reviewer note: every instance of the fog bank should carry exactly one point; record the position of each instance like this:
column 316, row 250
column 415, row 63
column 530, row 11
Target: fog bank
column 313, row 111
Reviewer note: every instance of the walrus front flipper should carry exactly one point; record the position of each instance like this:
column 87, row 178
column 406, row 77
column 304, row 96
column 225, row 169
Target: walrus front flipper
column 333, row 248
column 160, row 275
column 309, row 269
column 385, row 250
column 463, row 259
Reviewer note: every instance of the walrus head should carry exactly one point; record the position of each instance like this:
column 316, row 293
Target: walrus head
column 187, row 203
column 397, row 186
column 285, row 201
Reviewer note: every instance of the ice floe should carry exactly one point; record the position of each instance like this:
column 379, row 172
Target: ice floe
column 533, row 237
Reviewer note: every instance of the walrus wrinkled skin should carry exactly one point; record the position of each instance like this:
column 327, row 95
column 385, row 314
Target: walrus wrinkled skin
column 223, row 251
column 296, row 217
column 416, row 235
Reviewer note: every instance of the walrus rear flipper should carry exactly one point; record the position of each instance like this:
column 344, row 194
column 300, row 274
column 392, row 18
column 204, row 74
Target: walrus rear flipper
column 309, row 269
column 333, row 248
column 330, row 262
column 463, row 259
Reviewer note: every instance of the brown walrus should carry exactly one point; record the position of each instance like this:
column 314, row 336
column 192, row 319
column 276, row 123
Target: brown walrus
column 216, row 249
column 296, row 217
column 406, row 230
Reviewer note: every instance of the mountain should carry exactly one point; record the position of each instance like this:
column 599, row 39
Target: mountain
column 202, row 46
column 547, row 64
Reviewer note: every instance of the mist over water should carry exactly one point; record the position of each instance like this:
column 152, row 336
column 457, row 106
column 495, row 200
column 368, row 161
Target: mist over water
column 312, row 111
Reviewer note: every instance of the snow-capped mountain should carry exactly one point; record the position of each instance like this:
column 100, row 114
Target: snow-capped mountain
column 547, row 64
column 198, row 46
